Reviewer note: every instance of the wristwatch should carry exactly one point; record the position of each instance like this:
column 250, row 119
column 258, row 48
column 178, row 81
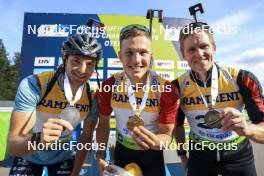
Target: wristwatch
column 181, row 152
column 35, row 138
column 101, row 153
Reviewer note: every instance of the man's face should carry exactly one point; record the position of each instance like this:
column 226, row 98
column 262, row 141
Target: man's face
column 79, row 68
column 198, row 51
column 135, row 55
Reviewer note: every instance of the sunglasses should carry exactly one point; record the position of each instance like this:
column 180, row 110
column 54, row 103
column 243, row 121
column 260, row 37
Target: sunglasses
column 130, row 27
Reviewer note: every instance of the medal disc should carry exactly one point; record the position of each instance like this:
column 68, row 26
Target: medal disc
column 212, row 119
column 70, row 114
column 134, row 121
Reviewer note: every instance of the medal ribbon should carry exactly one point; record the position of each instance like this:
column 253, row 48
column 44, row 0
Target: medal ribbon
column 132, row 97
column 214, row 89
column 214, row 85
column 68, row 91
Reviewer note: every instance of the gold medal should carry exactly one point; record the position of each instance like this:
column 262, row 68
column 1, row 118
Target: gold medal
column 212, row 119
column 134, row 121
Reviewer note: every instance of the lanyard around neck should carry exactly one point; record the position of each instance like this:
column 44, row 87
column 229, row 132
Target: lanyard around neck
column 214, row 88
column 132, row 97
column 69, row 93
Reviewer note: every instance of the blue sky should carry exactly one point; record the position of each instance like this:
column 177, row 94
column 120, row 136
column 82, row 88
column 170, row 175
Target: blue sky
column 244, row 49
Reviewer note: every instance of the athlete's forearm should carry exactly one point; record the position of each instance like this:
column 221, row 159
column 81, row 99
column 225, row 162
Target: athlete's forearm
column 164, row 141
column 102, row 133
column 180, row 134
column 165, row 136
column 86, row 141
column 81, row 154
column 20, row 133
column 20, row 145
column 256, row 132
column 180, row 139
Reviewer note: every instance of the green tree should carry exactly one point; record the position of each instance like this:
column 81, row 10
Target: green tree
column 8, row 74
column 4, row 65
column 17, row 61
column 12, row 77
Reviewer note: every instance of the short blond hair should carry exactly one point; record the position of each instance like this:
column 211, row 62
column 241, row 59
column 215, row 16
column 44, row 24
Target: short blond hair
column 193, row 28
column 135, row 31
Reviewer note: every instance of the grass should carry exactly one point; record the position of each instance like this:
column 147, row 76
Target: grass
column 4, row 127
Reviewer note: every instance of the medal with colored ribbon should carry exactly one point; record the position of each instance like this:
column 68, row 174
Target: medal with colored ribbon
column 136, row 119
column 70, row 114
column 212, row 117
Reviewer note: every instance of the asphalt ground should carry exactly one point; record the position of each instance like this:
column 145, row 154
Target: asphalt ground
column 172, row 159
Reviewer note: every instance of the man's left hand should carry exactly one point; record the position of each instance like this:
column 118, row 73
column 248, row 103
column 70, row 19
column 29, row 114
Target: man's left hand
column 232, row 119
column 145, row 138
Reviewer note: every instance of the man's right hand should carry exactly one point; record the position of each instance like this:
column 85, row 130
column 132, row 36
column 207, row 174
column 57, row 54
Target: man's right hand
column 184, row 160
column 102, row 164
column 53, row 129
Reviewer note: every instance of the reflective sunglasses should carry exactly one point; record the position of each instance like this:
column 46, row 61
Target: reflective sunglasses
column 130, row 27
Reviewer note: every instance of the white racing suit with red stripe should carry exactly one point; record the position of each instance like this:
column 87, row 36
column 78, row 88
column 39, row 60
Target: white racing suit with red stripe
column 211, row 150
